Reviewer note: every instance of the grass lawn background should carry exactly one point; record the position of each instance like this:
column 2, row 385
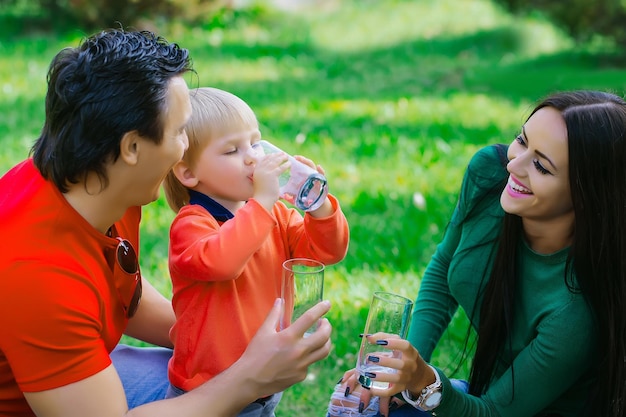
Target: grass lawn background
column 391, row 97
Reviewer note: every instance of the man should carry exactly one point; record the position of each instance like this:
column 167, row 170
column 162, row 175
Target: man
column 116, row 109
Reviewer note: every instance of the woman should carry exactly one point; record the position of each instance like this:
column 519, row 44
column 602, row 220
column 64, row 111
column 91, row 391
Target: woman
column 535, row 255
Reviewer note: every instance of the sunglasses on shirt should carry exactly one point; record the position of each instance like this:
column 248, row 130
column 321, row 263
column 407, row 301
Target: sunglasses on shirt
column 127, row 261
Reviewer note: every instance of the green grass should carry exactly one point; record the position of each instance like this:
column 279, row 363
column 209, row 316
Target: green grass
column 391, row 97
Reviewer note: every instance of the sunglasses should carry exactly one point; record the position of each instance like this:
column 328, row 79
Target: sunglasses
column 127, row 261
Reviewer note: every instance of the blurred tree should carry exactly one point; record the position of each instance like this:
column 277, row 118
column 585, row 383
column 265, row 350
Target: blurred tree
column 95, row 14
column 582, row 19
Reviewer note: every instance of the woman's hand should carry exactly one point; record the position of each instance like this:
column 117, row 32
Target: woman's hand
column 411, row 373
column 403, row 359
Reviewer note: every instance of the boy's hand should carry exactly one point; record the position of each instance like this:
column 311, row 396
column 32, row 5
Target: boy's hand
column 265, row 179
column 326, row 209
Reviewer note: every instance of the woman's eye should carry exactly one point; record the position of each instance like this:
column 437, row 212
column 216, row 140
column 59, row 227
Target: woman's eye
column 231, row 151
column 520, row 139
column 540, row 167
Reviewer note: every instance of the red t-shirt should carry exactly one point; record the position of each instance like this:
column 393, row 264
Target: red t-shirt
column 60, row 312
column 226, row 276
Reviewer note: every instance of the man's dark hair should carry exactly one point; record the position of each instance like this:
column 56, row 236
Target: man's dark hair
column 114, row 82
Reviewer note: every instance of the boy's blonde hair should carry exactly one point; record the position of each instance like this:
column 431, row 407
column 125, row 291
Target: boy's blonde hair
column 215, row 113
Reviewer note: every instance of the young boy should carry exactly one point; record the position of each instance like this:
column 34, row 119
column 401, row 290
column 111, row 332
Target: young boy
column 230, row 238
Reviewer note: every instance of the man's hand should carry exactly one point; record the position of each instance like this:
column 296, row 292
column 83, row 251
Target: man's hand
column 277, row 360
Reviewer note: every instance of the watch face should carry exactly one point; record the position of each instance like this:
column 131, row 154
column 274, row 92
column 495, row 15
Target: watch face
column 433, row 399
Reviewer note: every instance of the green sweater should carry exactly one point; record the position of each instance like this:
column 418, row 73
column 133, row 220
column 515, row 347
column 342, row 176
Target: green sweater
column 553, row 331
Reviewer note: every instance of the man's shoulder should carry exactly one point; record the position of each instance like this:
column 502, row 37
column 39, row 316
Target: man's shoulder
column 17, row 182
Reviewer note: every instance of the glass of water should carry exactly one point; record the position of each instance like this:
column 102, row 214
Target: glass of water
column 302, row 288
column 388, row 313
column 300, row 185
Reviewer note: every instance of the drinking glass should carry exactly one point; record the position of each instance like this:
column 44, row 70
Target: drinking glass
column 388, row 313
column 302, row 288
column 300, row 185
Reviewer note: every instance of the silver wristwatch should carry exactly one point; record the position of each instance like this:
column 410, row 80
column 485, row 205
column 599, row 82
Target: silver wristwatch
column 429, row 397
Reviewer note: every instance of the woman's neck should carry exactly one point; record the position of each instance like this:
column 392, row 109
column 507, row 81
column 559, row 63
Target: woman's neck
column 550, row 236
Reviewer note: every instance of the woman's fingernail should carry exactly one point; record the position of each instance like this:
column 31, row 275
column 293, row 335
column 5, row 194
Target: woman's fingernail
column 374, row 359
column 364, row 335
column 347, row 392
column 370, row 374
column 340, row 381
column 382, row 342
column 361, row 407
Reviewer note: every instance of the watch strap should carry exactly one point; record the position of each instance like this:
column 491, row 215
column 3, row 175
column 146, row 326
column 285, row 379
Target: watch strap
column 426, row 392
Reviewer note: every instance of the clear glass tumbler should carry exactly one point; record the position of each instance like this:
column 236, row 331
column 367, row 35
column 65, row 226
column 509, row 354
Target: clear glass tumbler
column 300, row 185
column 388, row 313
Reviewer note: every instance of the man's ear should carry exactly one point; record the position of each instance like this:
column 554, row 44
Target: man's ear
column 185, row 174
column 129, row 147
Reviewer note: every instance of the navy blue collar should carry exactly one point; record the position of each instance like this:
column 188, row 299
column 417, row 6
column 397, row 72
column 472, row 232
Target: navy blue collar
column 217, row 210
